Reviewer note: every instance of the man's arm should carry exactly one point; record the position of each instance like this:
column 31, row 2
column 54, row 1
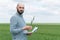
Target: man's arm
column 26, row 32
column 13, row 23
column 13, row 29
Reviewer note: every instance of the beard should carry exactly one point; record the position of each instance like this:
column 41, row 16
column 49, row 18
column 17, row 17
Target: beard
column 20, row 12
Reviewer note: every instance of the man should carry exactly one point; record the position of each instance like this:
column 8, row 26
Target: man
column 18, row 26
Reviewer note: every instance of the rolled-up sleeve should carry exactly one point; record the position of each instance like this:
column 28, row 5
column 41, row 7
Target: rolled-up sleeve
column 13, row 25
column 25, row 31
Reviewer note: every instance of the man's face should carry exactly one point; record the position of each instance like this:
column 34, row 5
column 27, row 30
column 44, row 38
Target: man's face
column 20, row 9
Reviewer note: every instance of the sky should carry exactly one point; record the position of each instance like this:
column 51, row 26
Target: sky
column 45, row 11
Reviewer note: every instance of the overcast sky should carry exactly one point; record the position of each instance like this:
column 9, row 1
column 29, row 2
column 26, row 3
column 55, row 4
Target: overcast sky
column 45, row 11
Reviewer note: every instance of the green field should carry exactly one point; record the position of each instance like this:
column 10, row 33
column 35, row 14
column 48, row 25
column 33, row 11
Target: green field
column 45, row 32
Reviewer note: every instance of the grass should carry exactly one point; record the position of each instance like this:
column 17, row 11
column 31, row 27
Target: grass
column 45, row 32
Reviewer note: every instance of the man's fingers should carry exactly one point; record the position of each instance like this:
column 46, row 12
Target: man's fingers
column 29, row 33
column 27, row 27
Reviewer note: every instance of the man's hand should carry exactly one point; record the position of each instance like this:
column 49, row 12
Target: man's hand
column 27, row 28
column 29, row 33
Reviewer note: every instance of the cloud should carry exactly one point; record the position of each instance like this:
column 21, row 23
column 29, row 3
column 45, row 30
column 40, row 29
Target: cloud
column 43, row 10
